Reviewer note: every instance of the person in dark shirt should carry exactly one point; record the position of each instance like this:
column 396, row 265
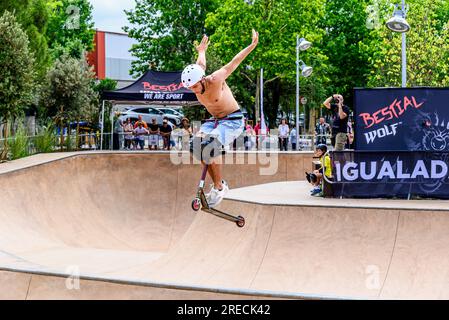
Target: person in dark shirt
column 154, row 135
column 340, row 114
column 165, row 131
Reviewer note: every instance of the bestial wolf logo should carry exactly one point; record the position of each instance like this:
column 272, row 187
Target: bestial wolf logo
column 386, row 130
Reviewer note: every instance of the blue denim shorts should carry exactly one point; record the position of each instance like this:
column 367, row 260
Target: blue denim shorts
column 227, row 130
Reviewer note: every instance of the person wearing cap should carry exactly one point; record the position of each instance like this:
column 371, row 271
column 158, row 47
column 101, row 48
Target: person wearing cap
column 316, row 177
column 214, row 94
column 165, row 131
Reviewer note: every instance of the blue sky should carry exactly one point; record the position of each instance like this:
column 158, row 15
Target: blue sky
column 108, row 15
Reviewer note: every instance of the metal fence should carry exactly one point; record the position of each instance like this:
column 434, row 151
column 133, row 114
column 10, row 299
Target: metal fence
column 72, row 142
column 178, row 141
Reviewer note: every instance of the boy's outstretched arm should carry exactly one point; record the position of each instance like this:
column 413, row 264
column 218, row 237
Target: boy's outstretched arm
column 202, row 48
column 223, row 73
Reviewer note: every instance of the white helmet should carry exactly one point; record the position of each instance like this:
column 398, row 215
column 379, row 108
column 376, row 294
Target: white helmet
column 191, row 75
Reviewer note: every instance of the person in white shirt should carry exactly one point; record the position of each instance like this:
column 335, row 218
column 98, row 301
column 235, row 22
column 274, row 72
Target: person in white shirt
column 283, row 135
column 140, row 133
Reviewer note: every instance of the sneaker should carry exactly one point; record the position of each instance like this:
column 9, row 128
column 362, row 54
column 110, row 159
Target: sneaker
column 315, row 191
column 215, row 196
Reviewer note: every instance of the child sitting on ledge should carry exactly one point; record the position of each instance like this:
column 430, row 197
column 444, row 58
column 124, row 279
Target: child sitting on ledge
column 316, row 177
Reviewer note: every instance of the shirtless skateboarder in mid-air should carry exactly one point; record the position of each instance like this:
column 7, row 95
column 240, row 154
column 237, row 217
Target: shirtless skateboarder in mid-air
column 214, row 94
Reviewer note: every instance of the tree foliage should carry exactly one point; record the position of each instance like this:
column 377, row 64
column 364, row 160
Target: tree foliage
column 70, row 29
column 347, row 24
column 278, row 23
column 427, row 47
column 166, row 31
column 69, row 92
column 17, row 68
column 33, row 16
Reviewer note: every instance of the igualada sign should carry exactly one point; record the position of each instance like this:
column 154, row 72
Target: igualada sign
column 393, row 170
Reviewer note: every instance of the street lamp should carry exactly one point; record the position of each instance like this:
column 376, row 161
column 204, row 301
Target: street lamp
column 398, row 23
column 306, row 71
column 301, row 44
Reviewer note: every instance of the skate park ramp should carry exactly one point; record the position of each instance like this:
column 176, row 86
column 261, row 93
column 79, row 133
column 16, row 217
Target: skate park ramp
column 119, row 226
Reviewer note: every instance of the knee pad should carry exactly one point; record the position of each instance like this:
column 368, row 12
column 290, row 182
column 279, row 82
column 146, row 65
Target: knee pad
column 204, row 149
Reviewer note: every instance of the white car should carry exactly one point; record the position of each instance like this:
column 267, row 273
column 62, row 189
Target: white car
column 171, row 111
column 149, row 113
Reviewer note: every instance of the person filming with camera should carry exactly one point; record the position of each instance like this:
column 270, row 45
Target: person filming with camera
column 340, row 115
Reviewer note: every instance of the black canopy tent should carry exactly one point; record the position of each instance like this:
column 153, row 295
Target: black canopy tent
column 155, row 88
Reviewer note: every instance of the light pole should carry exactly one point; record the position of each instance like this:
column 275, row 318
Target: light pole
column 301, row 44
column 398, row 24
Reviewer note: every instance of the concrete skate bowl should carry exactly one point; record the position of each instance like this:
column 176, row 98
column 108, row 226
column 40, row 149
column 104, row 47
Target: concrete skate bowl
column 122, row 224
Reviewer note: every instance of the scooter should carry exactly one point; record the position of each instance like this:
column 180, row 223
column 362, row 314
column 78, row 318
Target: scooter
column 200, row 202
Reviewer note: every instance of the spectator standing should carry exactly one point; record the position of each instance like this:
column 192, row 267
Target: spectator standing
column 322, row 129
column 186, row 134
column 165, row 130
column 153, row 140
column 293, row 138
column 257, row 127
column 117, row 132
column 283, row 135
column 140, row 133
column 173, row 127
column 249, row 133
column 258, row 132
column 128, row 128
column 340, row 115
column 144, row 124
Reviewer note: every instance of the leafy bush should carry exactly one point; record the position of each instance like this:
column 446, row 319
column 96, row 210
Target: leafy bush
column 46, row 140
column 19, row 144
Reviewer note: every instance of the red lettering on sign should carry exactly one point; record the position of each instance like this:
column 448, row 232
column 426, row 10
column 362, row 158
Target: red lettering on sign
column 170, row 88
column 394, row 110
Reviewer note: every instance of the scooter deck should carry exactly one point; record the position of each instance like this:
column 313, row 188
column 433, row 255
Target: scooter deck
column 205, row 207
column 221, row 214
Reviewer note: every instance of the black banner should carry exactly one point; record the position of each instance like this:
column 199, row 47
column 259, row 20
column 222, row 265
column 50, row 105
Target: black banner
column 402, row 119
column 155, row 87
column 390, row 174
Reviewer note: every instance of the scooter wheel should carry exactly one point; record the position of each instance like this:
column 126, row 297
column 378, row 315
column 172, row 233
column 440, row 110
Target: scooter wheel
column 241, row 222
column 196, row 204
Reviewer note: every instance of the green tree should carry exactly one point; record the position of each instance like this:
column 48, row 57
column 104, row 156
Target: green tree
column 278, row 23
column 105, row 85
column 427, row 47
column 69, row 91
column 70, row 29
column 33, row 16
column 166, row 31
column 16, row 68
column 347, row 24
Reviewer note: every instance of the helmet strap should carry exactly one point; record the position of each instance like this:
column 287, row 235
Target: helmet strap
column 203, row 88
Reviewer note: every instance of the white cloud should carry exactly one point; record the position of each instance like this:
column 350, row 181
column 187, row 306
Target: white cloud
column 109, row 15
